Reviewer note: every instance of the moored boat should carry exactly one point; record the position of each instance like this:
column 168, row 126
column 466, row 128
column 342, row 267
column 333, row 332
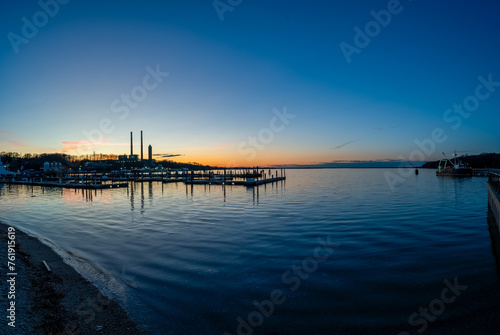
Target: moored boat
column 453, row 169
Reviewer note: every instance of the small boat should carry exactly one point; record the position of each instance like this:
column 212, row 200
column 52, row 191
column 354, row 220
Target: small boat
column 453, row 169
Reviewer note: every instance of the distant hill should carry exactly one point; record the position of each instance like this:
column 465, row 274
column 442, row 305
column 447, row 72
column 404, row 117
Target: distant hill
column 475, row 161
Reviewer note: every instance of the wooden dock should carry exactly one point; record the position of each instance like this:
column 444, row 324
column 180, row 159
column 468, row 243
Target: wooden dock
column 175, row 180
column 480, row 172
column 247, row 182
column 493, row 186
column 91, row 186
column 146, row 180
column 116, row 179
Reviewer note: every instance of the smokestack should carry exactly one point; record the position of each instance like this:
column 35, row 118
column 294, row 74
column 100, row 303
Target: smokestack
column 131, row 145
column 142, row 156
column 150, row 152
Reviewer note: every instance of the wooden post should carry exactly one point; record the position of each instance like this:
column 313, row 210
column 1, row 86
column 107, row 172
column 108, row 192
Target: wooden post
column 46, row 266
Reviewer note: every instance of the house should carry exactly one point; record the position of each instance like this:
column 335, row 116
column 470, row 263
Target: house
column 4, row 172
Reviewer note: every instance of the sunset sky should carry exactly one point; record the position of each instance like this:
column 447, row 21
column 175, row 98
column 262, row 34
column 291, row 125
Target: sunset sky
column 252, row 83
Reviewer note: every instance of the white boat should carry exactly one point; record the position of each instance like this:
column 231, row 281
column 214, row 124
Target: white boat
column 453, row 169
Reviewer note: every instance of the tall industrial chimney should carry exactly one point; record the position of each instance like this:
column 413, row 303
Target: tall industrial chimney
column 131, row 145
column 150, row 153
column 142, row 156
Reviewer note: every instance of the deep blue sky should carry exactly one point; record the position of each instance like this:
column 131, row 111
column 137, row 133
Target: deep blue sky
column 226, row 77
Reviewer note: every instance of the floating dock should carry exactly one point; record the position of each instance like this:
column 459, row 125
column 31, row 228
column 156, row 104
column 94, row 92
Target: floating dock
column 91, row 186
column 176, row 180
column 481, row 172
column 248, row 182
column 116, row 179
column 493, row 186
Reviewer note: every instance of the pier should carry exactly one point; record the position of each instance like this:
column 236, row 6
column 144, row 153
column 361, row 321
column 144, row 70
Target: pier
column 84, row 185
column 247, row 182
column 482, row 172
column 247, row 178
column 116, row 179
column 493, row 186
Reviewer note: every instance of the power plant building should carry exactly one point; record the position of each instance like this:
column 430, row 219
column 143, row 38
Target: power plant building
column 142, row 155
column 135, row 158
column 131, row 145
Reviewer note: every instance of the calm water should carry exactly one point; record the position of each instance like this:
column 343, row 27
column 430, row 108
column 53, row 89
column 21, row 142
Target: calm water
column 191, row 260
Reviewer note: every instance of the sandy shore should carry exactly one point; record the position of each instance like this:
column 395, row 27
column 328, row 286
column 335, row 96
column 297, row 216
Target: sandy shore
column 57, row 302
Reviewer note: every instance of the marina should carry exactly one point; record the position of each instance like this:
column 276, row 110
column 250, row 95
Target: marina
column 234, row 167
column 117, row 179
column 242, row 240
column 85, row 185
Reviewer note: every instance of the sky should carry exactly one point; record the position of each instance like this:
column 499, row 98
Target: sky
column 251, row 83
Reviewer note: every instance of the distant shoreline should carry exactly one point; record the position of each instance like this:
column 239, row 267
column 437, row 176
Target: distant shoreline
column 352, row 167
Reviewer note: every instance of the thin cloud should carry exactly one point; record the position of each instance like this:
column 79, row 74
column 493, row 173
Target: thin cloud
column 168, row 155
column 221, row 146
column 83, row 144
column 10, row 139
column 75, row 145
column 347, row 161
column 377, row 163
column 343, row 145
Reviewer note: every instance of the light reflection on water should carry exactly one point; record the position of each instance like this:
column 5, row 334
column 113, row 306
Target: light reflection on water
column 191, row 259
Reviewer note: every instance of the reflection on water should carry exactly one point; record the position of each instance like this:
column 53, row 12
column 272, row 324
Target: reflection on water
column 192, row 259
column 277, row 188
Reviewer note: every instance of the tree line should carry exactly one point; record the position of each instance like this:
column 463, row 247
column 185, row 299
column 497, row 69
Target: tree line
column 18, row 162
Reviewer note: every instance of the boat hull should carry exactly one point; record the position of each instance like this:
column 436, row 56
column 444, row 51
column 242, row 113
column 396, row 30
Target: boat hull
column 455, row 173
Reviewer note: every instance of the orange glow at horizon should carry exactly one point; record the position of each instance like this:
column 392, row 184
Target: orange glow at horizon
column 270, row 158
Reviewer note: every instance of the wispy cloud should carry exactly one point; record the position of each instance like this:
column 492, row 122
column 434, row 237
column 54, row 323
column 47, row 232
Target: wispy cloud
column 83, row 144
column 221, row 146
column 168, row 155
column 385, row 160
column 378, row 163
column 75, row 145
column 14, row 142
column 343, row 145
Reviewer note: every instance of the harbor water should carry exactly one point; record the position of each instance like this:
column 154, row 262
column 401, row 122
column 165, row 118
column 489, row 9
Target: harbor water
column 328, row 251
